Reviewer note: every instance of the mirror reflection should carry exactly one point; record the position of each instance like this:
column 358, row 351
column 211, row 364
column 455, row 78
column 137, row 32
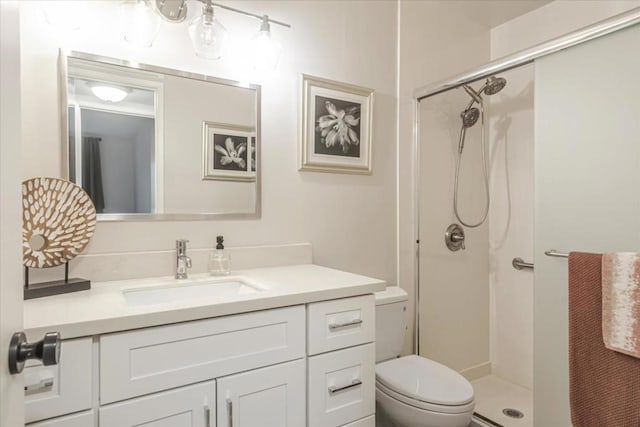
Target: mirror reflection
column 152, row 143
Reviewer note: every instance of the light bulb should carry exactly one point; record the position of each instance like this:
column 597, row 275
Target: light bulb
column 141, row 23
column 109, row 93
column 207, row 34
column 265, row 52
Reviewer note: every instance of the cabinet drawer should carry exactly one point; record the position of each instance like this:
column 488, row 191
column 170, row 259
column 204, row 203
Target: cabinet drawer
column 191, row 406
column 51, row 391
column 85, row 419
column 149, row 360
column 341, row 386
column 341, row 323
column 365, row 422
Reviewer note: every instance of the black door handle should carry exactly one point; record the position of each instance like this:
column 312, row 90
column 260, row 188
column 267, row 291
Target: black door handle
column 47, row 350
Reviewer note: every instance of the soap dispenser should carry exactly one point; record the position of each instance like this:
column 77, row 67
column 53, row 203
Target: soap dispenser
column 219, row 261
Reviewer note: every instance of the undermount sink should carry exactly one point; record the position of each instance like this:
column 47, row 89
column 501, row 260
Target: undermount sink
column 201, row 289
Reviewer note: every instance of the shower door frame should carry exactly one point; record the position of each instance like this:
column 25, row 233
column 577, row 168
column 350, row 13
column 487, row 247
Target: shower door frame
column 518, row 59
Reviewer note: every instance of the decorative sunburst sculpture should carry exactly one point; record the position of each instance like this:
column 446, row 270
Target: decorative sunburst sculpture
column 58, row 219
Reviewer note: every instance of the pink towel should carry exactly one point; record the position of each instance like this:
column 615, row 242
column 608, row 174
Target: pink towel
column 621, row 302
column 604, row 385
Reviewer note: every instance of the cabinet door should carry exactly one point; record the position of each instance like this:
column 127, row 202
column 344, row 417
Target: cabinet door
column 191, row 406
column 267, row 397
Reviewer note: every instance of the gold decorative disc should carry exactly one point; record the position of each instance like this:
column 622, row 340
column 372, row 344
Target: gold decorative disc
column 58, row 219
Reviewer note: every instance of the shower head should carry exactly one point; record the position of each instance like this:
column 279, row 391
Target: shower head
column 469, row 117
column 493, row 85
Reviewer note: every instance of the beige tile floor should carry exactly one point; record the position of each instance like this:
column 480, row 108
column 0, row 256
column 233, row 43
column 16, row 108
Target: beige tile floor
column 493, row 394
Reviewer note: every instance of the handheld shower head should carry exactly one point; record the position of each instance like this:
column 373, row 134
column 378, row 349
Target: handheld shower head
column 469, row 117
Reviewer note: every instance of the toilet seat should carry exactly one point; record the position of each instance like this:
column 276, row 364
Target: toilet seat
column 425, row 384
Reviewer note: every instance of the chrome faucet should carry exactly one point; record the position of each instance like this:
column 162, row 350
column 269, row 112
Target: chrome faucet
column 183, row 262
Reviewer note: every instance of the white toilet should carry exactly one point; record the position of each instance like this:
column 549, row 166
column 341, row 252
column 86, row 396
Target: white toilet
column 413, row 391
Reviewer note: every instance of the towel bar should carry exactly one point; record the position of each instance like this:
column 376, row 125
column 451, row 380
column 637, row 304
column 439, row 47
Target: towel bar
column 519, row 264
column 554, row 253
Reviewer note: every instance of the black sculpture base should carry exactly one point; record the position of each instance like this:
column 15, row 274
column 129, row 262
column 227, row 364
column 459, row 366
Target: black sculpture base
column 55, row 287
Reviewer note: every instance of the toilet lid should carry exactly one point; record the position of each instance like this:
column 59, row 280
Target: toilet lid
column 425, row 380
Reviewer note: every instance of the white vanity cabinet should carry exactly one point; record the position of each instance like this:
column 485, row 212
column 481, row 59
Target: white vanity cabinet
column 304, row 365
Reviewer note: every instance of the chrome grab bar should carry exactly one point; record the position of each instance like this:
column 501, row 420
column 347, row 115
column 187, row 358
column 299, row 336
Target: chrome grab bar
column 519, row 264
column 554, row 253
column 354, row 383
column 353, row 322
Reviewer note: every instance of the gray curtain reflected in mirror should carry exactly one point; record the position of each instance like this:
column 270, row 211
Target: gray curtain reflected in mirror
column 113, row 164
column 92, row 171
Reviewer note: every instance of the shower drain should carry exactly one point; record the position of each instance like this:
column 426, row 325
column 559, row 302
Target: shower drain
column 512, row 413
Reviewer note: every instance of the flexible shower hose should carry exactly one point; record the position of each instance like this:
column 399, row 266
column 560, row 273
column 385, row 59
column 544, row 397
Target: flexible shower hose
column 484, row 170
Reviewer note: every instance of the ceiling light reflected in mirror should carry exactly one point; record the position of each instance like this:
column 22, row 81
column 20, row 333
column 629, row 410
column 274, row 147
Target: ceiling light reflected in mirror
column 108, row 93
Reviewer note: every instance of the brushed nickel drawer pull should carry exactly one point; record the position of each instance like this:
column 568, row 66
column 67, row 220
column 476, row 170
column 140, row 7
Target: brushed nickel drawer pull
column 354, row 383
column 229, row 413
column 354, row 322
column 207, row 416
column 44, row 383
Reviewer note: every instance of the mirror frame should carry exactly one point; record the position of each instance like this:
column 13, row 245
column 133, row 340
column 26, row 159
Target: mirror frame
column 63, row 73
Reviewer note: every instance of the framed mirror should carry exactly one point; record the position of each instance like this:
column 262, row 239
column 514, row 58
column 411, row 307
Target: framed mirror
column 151, row 143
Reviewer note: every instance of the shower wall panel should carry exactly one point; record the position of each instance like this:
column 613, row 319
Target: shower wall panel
column 454, row 286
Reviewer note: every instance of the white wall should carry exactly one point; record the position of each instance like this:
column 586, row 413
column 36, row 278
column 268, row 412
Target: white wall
column 11, row 386
column 350, row 219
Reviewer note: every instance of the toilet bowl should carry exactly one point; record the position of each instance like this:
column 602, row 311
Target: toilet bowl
column 413, row 391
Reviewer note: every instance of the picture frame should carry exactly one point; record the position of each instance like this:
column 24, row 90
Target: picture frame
column 336, row 127
column 229, row 152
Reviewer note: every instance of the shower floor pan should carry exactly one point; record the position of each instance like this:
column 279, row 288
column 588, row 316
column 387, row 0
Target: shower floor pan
column 495, row 395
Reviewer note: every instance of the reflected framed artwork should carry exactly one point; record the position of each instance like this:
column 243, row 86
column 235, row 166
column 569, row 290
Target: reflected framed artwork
column 229, row 152
column 336, row 125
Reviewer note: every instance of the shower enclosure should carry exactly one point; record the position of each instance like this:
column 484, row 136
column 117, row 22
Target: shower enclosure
column 514, row 159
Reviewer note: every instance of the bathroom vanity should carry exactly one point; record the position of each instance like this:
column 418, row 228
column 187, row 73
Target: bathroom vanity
column 273, row 347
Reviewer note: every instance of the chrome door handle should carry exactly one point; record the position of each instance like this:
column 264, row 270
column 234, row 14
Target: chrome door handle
column 47, row 350
column 229, row 413
column 354, row 383
column 354, row 322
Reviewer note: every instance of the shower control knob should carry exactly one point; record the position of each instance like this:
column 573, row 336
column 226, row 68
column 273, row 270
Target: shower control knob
column 454, row 238
column 47, row 350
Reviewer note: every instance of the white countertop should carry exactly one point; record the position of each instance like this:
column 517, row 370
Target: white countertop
column 103, row 308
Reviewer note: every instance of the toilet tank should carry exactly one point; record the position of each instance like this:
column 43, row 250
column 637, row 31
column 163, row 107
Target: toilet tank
column 391, row 306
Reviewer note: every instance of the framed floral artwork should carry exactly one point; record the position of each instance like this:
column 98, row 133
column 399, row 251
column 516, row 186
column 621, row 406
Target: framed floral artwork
column 336, row 126
column 229, row 152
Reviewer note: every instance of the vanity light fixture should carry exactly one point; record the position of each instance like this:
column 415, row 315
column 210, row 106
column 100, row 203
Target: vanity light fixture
column 141, row 22
column 108, row 93
column 265, row 51
column 207, row 34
